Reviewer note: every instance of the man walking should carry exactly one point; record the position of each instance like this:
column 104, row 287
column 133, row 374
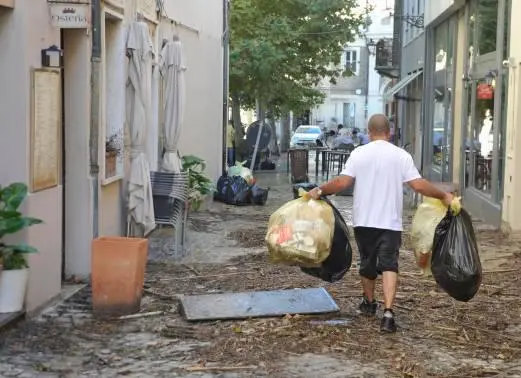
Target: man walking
column 380, row 170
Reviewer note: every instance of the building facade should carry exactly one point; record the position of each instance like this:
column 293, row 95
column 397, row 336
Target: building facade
column 352, row 99
column 469, row 103
column 75, row 187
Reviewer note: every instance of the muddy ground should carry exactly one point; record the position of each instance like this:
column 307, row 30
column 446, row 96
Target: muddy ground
column 437, row 337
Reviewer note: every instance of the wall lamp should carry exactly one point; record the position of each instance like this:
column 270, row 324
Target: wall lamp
column 52, row 57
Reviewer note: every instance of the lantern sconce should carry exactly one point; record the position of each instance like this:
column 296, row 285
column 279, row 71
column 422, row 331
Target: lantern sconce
column 371, row 46
column 490, row 77
column 52, row 57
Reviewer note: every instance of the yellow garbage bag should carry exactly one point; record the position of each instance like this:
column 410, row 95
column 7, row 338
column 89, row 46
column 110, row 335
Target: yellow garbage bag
column 427, row 217
column 301, row 232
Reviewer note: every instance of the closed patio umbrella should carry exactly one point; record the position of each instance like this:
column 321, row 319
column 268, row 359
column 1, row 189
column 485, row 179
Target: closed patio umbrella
column 138, row 97
column 173, row 71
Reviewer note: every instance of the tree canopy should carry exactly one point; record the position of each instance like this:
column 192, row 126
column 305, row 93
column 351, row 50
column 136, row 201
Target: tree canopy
column 281, row 49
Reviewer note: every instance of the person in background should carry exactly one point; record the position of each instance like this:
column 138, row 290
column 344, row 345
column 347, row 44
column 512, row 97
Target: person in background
column 332, row 124
column 230, row 144
column 380, row 170
column 339, row 128
column 362, row 138
column 343, row 137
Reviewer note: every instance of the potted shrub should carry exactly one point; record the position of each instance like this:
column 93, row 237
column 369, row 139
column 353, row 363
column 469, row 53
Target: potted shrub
column 15, row 274
column 113, row 147
column 199, row 185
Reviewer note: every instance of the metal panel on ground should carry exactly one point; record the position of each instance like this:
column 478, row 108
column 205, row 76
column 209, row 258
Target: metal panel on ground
column 257, row 304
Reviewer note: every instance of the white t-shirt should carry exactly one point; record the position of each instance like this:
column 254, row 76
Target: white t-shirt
column 380, row 169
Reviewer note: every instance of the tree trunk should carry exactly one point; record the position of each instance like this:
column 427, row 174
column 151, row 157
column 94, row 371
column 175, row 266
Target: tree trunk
column 286, row 132
column 274, row 145
column 239, row 131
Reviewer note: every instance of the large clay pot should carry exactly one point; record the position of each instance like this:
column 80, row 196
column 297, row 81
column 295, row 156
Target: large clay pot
column 13, row 286
column 118, row 274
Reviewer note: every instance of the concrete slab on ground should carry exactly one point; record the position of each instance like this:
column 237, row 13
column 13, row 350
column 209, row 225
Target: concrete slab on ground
column 257, row 304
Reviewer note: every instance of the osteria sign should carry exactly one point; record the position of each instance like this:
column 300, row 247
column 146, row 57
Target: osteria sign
column 70, row 15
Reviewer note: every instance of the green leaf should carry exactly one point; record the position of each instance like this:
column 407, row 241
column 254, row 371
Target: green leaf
column 21, row 248
column 9, row 214
column 13, row 195
column 13, row 225
column 13, row 261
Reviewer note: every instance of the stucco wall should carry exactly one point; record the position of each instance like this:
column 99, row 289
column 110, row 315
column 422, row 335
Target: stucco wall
column 435, row 10
column 511, row 215
column 199, row 26
column 33, row 33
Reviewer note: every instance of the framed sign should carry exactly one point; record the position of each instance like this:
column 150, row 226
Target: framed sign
column 70, row 15
column 46, row 124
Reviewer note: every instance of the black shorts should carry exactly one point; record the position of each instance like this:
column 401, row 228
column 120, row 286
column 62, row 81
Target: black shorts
column 379, row 250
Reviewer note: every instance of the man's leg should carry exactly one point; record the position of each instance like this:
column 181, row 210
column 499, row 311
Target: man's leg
column 388, row 253
column 390, row 280
column 368, row 258
column 368, row 285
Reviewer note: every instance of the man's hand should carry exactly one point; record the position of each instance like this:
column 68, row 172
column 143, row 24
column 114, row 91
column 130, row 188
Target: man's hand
column 447, row 200
column 453, row 203
column 314, row 193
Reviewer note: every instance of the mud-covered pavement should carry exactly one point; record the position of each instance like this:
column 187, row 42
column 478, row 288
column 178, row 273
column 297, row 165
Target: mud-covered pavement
column 437, row 336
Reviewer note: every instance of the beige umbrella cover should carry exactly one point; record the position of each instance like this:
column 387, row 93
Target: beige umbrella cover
column 173, row 71
column 140, row 51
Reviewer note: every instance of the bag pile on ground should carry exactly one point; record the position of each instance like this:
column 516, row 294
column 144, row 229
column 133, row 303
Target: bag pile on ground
column 310, row 234
column 238, row 187
column 240, row 170
column 428, row 215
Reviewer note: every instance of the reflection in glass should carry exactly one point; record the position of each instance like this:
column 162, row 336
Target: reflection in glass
column 483, row 135
column 487, row 26
column 441, row 43
column 468, row 141
column 502, row 134
column 442, row 109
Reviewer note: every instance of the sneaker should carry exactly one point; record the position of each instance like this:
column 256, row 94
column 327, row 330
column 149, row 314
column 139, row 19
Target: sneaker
column 368, row 308
column 388, row 323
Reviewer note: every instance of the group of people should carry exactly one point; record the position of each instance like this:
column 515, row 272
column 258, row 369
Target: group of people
column 345, row 137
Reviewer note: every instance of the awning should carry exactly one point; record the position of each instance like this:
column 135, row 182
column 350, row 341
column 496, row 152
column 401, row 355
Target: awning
column 404, row 82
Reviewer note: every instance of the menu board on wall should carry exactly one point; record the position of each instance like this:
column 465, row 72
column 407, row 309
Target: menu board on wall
column 45, row 129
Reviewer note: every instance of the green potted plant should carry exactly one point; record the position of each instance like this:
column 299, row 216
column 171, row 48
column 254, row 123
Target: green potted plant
column 113, row 147
column 15, row 274
column 199, row 185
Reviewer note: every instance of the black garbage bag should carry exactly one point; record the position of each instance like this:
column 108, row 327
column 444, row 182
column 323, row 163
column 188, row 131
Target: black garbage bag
column 259, row 195
column 456, row 266
column 340, row 258
column 233, row 190
column 307, row 186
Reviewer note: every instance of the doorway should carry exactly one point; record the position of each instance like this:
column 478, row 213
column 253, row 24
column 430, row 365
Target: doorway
column 485, row 99
column 77, row 188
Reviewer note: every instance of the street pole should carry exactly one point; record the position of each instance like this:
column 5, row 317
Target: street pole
column 226, row 73
column 95, row 111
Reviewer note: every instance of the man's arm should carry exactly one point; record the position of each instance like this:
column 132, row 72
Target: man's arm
column 336, row 185
column 427, row 189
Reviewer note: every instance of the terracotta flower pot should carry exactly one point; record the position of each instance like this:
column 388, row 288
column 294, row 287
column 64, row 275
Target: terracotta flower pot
column 110, row 165
column 118, row 274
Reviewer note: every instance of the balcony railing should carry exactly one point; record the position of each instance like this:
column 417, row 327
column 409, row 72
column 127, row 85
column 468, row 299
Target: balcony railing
column 386, row 64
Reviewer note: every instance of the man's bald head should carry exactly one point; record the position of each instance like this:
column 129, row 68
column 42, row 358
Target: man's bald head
column 378, row 126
